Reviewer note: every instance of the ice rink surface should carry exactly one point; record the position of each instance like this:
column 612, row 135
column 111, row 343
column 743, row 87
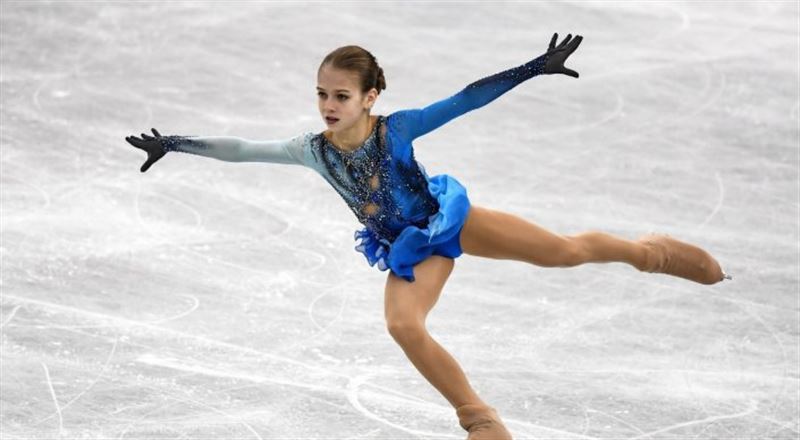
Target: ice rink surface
column 208, row 299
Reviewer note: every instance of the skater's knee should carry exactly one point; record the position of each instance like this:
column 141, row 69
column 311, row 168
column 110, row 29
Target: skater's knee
column 406, row 331
column 576, row 249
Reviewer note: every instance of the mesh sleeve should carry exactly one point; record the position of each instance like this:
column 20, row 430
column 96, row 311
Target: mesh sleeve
column 413, row 123
column 236, row 149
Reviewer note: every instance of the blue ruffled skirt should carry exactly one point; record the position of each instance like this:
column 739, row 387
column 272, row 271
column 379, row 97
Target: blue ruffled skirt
column 413, row 245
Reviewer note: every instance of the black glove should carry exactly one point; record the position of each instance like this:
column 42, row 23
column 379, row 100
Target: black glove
column 557, row 55
column 152, row 145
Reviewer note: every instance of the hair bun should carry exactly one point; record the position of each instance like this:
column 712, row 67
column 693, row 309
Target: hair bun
column 381, row 81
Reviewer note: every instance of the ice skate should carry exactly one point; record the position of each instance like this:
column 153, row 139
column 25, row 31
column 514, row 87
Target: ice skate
column 482, row 423
column 670, row 256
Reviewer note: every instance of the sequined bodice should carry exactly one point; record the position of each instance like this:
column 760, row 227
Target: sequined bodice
column 386, row 192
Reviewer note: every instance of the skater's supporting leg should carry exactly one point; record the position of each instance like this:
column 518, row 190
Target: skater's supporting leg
column 407, row 306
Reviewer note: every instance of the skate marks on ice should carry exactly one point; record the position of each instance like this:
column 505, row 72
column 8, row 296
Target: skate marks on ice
column 212, row 359
column 199, row 301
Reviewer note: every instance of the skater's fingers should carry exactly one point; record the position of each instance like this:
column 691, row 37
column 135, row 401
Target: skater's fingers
column 564, row 43
column 552, row 42
column 574, row 45
column 136, row 142
column 570, row 72
column 155, row 132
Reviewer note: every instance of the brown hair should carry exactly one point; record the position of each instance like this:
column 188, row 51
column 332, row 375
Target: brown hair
column 359, row 60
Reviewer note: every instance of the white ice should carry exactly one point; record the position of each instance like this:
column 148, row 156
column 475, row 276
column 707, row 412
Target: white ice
column 206, row 299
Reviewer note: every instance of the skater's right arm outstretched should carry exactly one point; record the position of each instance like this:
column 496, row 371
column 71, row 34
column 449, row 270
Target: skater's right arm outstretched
column 227, row 148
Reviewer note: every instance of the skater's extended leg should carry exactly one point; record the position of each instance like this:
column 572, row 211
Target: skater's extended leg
column 495, row 234
column 406, row 309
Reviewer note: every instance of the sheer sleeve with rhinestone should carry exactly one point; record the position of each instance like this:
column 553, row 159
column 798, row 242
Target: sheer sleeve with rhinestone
column 413, row 123
column 236, row 149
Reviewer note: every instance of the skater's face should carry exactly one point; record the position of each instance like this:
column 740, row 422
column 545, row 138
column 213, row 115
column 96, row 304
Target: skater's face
column 339, row 96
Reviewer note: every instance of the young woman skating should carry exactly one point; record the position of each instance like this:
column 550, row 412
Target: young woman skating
column 416, row 225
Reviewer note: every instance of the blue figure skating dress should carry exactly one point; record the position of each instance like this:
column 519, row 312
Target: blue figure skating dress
column 407, row 215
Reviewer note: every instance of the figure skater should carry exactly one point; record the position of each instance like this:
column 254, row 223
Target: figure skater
column 416, row 225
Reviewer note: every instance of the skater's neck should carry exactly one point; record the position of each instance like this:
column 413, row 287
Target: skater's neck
column 351, row 138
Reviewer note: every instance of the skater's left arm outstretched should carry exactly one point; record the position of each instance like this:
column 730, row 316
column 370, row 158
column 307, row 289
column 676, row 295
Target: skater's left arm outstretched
column 418, row 122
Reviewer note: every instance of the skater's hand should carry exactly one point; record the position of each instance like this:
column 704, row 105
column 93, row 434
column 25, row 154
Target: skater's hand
column 557, row 55
column 152, row 145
